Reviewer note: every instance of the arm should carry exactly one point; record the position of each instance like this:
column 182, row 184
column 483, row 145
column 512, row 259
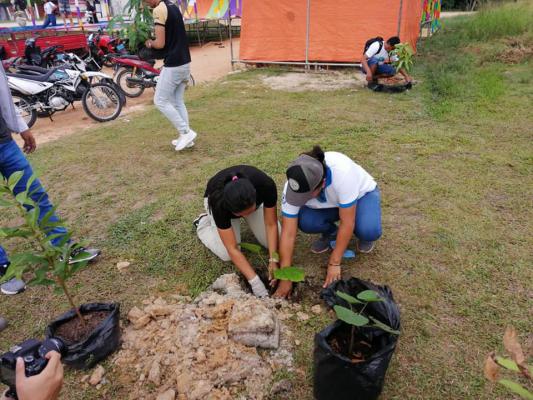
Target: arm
column 271, row 225
column 286, row 249
column 364, row 63
column 405, row 75
column 344, row 234
column 159, row 41
column 240, row 261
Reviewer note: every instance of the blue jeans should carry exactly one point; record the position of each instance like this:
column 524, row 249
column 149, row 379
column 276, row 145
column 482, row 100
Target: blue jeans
column 382, row 69
column 50, row 19
column 169, row 96
column 367, row 218
column 12, row 159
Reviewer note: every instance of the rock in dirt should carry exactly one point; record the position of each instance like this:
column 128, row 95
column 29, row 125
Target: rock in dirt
column 97, row 375
column 283, row 386
column 317, row 309
column 206, row 349
column 170, row 394
column 122, row 266
column 302, row 316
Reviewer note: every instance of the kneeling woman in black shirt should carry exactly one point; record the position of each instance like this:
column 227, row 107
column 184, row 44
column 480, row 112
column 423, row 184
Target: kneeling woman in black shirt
column 238, row 192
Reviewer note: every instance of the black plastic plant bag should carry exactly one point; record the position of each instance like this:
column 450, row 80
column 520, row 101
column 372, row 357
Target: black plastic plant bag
column 102, row 341
column 335, row 376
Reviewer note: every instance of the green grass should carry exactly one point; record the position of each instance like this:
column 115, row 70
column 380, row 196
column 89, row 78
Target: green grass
column 453, row 159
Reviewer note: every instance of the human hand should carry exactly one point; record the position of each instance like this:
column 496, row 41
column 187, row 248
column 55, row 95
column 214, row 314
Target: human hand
column 148, row 43
column 369, row 77
column 29, row 142
column 272, row 266
column 46, row 385
column 284, row 290
column 333, row 274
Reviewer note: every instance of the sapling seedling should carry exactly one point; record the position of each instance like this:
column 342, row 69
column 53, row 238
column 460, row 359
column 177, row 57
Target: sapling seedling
column 516, row 364
column 402, row 56
column 293, row 274
column 358, row 319
column 46, row 260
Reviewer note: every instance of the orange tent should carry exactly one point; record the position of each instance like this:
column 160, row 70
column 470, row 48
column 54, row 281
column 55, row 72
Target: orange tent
column 338, row 30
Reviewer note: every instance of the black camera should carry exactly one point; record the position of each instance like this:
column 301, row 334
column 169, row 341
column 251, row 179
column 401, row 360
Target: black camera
column 32, row 352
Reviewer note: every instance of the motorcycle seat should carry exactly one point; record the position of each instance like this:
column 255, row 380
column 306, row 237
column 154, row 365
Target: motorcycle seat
column 38, row 78
column 33, row 68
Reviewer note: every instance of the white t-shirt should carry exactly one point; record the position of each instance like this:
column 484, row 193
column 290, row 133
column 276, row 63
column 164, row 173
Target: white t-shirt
column 373, row 50
column 49, row 7
column 346, row 182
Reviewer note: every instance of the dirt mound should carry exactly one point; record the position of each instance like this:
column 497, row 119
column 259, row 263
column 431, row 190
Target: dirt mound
column 516, row 51
column 315, row 81
column 206, row 349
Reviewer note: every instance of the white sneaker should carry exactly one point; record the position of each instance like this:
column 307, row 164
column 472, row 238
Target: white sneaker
column 175, row 143
column 185, row 140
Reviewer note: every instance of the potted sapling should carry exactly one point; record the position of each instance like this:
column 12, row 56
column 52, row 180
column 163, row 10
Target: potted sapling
column 352, row 355
column 89, row 331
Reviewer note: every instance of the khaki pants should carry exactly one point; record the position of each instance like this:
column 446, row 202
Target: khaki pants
column 208, row 233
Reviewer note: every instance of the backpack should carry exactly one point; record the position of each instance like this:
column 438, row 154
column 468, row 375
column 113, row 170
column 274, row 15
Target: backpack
column 369, row 43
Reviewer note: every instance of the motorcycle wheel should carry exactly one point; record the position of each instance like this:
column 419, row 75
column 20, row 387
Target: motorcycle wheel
column 28, row 113
column 121, row 93
column 102, row 102
column 129, row 89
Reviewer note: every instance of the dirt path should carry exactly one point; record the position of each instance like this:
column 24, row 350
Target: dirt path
column 209, row 62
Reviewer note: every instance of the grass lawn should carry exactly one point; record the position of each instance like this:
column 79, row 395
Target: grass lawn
column 453, row 159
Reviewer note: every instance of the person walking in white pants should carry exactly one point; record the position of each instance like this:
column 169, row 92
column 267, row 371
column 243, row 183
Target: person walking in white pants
column 235, row 192
column 171, row 37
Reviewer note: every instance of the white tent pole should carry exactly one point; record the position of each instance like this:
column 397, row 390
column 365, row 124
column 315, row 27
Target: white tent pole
column 307, row 34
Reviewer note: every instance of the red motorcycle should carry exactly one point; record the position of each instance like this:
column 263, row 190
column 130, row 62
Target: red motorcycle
column 133, row 75
column 103, row 47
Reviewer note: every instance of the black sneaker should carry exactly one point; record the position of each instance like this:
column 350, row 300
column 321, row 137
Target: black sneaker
column 90, row 254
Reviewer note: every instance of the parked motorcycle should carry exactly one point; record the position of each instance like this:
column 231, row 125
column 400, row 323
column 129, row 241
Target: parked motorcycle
column 102, row 46
column 133, row 75
column 46, row 58
column 45, row 94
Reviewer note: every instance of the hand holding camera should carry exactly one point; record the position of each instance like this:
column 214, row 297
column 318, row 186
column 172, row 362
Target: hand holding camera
column 33, row 370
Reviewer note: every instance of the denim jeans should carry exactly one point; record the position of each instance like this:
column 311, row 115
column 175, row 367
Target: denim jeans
column 382, row 68
column 169, row 96
column 50, row 19
column 367, row 218
column 12, row 160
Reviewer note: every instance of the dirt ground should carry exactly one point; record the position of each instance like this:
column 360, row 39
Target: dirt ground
column 209, row 62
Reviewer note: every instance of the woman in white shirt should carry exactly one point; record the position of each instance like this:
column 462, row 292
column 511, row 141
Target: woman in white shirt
column 321, row 190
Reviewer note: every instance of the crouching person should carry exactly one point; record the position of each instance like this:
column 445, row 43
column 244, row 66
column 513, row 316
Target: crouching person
column 376, row 61
column 323, row 190
column 238, row 192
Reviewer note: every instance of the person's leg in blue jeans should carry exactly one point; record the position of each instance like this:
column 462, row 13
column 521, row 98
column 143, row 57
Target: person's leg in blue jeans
column 321, row 221
column 368, row 220
column 12, row 159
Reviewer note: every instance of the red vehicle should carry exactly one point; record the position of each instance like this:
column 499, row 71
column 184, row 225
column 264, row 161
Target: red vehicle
column 133, row 75
column 103, row 46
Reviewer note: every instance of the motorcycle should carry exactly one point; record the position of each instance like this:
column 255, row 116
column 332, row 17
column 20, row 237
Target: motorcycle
column 42, row 95
column 133, row 75
column 46, row 58
column 103, row 46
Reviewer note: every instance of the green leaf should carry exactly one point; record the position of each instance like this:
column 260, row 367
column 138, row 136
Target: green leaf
column 5, row 203
column 14, row 179
column 350, row 317
column 382, row 326
column 275, row 256
column 348, row 298
column 252, row 247
column 516, row 388
column 292, row 274
column 369, row 296
column 507, row 363
column 15, row 232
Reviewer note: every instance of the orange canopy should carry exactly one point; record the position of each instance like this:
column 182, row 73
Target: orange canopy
column 338, row 30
